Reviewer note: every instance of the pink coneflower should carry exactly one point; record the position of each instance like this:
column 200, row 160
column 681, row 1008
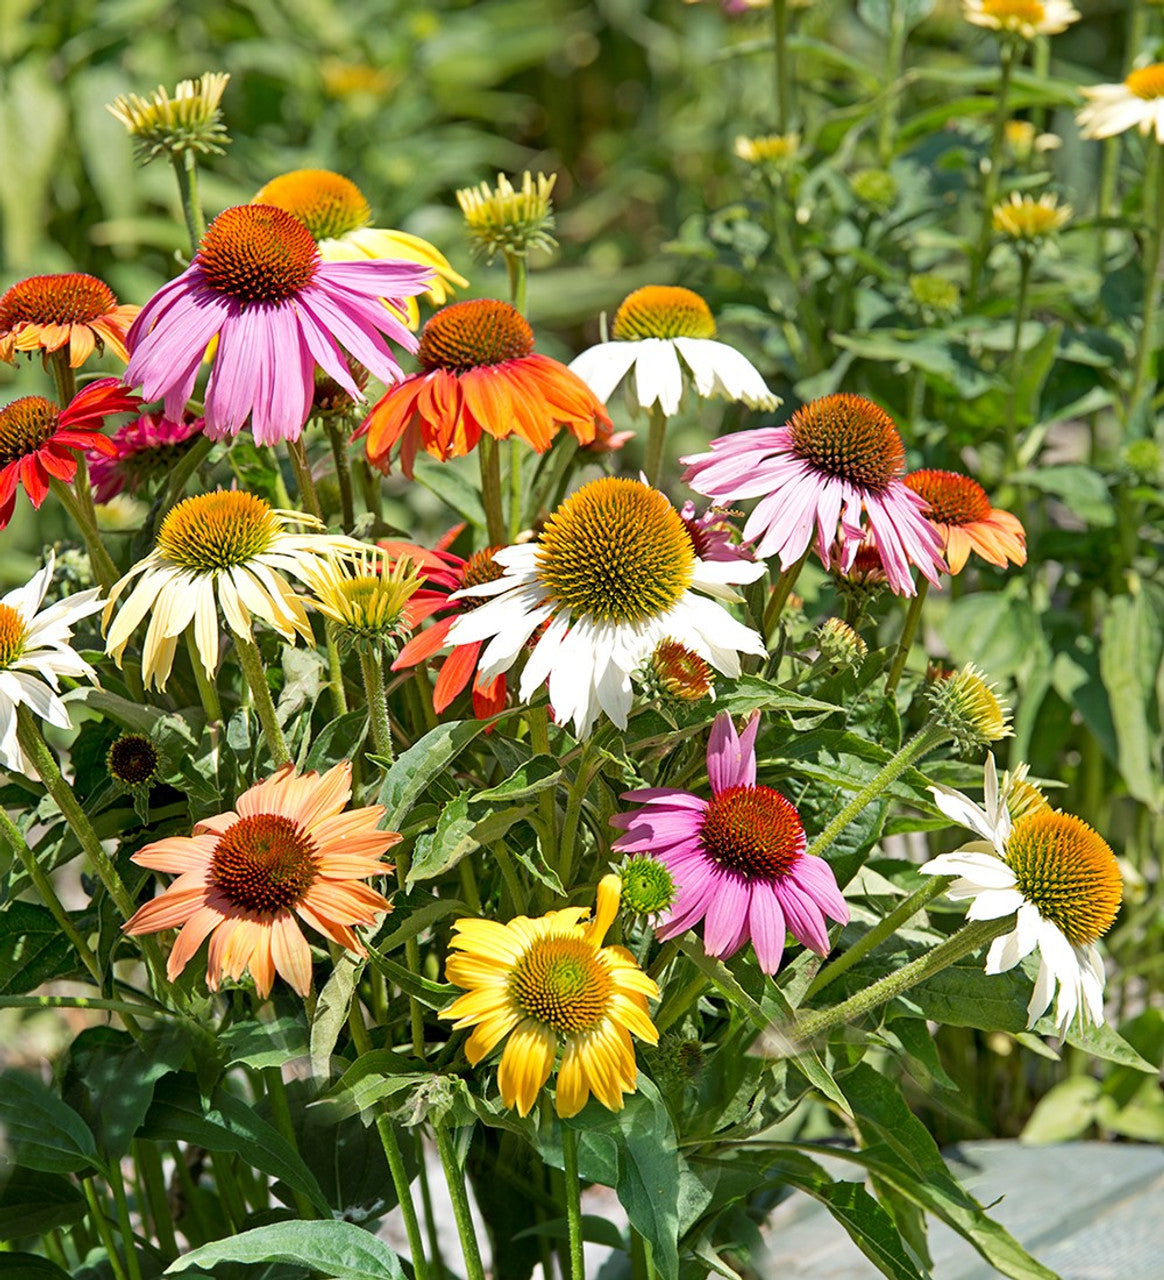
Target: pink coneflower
column 737, row 859
column 836, row 464
column 145, row 446
column 711, row 534
column 259, row 285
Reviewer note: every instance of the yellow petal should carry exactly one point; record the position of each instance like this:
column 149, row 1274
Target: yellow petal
column 526, row 1065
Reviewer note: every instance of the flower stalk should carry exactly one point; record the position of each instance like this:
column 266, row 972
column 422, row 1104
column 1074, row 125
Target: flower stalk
column 573, row 1187
column 256, row 677
column 908, row 631
column 993, row 177
column 455, row 1181
column 1146, row 350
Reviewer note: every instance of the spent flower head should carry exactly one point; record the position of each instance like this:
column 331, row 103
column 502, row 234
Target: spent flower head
column 674, row 674
column 510, row 220
column 876, row 188
column 933, row 296
column 189, row 120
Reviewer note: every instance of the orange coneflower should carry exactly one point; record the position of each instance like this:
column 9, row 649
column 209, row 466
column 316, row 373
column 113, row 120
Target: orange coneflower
column 286, row 850
column 479, row 372
column 71, row 310
column 961, row 512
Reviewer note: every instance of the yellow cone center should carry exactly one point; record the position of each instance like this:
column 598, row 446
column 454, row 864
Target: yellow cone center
column 215, row 531
column 1147, row 82
column 662, row 311
column 12, row 636
column 1012, row 15
column 328, row 204
column 561, row 982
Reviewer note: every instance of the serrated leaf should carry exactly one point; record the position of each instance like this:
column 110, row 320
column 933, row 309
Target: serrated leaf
column 413, row 771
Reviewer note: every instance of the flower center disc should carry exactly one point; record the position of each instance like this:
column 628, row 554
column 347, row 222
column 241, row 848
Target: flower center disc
column 683, row 674
column 616, row 551
column 71, row 298
column 753, row 831
column 133, row 759
column 1068, row 872
column 662, row 311
column 561, row 983
column 257, row 253
column 1013, row 14
column 848, row 437
column 479, row 568
column 12, row 635
column 467, row 335
column 25, row 425
column 214, row 531
column 327, row 203
column 1147, row 82
column 953, row 498
column 264, row 863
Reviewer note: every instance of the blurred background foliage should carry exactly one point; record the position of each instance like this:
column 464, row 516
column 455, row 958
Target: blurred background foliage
column 635, row 105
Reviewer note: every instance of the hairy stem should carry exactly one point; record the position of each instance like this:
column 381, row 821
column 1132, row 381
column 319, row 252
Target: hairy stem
column 251, row 662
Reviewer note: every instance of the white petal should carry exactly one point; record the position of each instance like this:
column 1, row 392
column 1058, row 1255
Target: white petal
column 604, row 366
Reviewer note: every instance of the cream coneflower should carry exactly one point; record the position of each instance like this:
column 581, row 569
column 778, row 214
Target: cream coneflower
column 1059, row 878
column 550, row 983
column 775, row 149
column 1137, row 102
column 613, row 573
column 339, row 216
column 72, row 311
column 367, row 597
column 663, row 332
column 1025, row 18
column 961, row 512
column 227, row 549
column 286, row 853
column 1023, row 218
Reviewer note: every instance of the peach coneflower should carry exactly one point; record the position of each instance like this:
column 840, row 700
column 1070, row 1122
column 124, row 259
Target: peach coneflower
column 70, row 311
column 961, row 512
column 479, row 372
column 286, row 850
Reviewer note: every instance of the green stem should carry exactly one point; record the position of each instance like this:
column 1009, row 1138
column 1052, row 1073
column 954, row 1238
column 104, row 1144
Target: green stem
column 489, row 457
column 44, row 888
column 373, row 672
column 64, row 376
column 252, row 667
column 656, row 438
column 308, row 495
column 430, row 1223
column 1153, row 177
column 104, row 569
column 117, row 1186
column 969, row 938
column 207, row 690
column 516, row 493
column 908, row 631
column 539, row 740
column 883, row 929
column 898, row 32
column 281, row 1114
column 779, row 597
column 1010, row 438
column 1109, row 168
column 677, row 1005
column 335, row 670
column 782, row 81
column 455, row 1183
column 152, row 1174
column 515, row 265
column 573, row 1202
column 124, row 1007
column 411, row 959
column 186, row 171
column 993, row 178
column 928, row 736
column 343, row 470
column 100, row 1220
column 184, row 468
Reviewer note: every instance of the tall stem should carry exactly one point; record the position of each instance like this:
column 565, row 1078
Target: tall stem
column 100, row 1221
column 308, row 496
column 251, row 662
column 489, row 457
column 969, row 938
column 373, row 672
column 1010, row 439
column 516, row 492
column 908, row 631
column 573, row 1202
column 207, row 691
column 656, row 438
column 926, row 738
column 343, row 470
column 184, row 468
column 153, row 1178
column 994, row 174
column 779, row 597
column 884, row 928
column 515, row 265
column 782, row 82
column 86, row 521
column 281, row 1114
column 898, row 31
column 455, row 1182
column 186, row 171
column 1154, row 178
column 121, row 1204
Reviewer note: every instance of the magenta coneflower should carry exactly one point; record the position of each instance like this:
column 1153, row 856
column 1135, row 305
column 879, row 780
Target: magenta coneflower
column 259, row 285
column 147, row 446
column 737, row 859
column 837, row 464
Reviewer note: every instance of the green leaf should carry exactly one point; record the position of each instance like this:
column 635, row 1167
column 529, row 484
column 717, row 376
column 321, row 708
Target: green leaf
column 1066, row 1112
column 440, row 850
column 752, row 693
column 595, row 1229
column 1083, row 491
column 32, row 1203
column 338, row 740
column 336, row 1249
column 373, row 1076
column 410, row 776
column 32, row 949
column 30, row 1266
column 452, row 487
column 1107, row 1043
column 227, row 1123
column 264, row 1044
column 1129, row 658
column 435, row 995
column 331, row 1012
column 40, row 1131
column 539, row 773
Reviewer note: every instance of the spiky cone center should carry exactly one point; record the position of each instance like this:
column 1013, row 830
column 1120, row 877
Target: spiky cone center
column 967, row 707
column 662, row 311
column 71, row 298
column 13, row 636
column 1147, row 82
column 476, row 571
column 1068, row 871
column 648, row 888
column 214, row 531
column 616, row 551
column 328, row 204
column 257, row 253
column 26, row 425
column 468, row 335
column 264, row 863
column 954, row 499
column 1014, row 15
column 561, row 983
column 679, row 673
column 753, row 831
column 133, row 760
column 850, row 438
